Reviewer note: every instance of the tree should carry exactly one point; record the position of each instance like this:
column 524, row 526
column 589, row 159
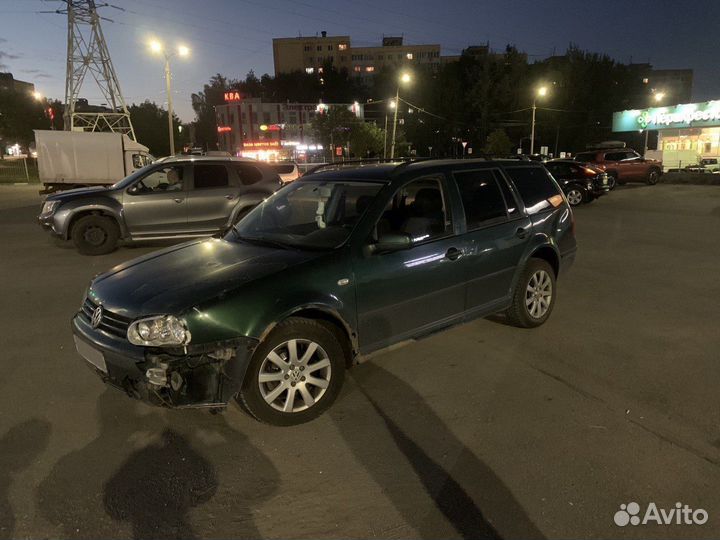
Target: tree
column 20, row 114
column 204, row 103
column 366, row 140
column 332, row 127
column 151, row 127
column 498, row 143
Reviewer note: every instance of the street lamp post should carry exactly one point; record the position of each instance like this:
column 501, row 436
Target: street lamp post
column 658, row 97
column 540, row 92
column 157, row 48
column 404, row 78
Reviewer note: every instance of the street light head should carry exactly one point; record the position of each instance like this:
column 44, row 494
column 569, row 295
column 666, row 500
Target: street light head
column 392, row 104
column 37, row 95
column 183, row 50
column 405, row 77
column 156, row 46
column 542, row 91
column 659, row 96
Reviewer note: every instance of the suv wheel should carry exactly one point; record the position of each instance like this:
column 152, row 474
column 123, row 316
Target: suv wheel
column 295, row 374
column 95, row 235
column 652, row 177
column 534, row 295
column 575, row 196
column 612, row 181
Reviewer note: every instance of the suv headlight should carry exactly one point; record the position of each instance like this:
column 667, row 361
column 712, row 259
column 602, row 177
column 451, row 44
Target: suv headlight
column 158, row 331
column 49, row 207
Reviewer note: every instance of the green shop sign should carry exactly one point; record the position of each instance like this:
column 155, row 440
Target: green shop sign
column 686, row 115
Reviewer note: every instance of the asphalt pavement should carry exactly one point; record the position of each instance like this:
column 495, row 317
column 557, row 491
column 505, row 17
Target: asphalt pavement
column 481, row 431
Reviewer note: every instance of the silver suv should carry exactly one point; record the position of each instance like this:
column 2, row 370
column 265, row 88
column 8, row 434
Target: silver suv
column 175, row 197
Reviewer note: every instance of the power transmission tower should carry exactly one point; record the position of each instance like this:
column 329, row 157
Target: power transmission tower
column 87, row 52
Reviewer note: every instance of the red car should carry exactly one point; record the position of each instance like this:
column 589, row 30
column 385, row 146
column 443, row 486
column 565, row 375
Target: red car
column 623, row 165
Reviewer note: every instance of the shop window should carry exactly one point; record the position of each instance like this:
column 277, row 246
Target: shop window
column 409, row 56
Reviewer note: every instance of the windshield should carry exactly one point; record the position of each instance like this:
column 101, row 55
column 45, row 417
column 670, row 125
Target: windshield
column 314, row 215
column 131, row 178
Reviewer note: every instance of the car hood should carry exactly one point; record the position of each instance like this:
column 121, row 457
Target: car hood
column 77, row 192
column 180, row 277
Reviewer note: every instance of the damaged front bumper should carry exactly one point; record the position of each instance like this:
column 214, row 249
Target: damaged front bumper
column 206, row 375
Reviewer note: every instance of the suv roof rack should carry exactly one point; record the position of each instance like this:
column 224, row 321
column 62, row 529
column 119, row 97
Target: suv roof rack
column 359, row 162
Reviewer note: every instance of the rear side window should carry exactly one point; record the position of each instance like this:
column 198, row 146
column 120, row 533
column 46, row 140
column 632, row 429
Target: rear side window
column 210, row 176
column 248, row 174
column 284, row 168
column 481, row 197
column 586, row 156
column 616, row 156
column 534, row 185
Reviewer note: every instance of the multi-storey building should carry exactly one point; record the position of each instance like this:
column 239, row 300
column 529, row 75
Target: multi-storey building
column 270, row 131
column 310, row 54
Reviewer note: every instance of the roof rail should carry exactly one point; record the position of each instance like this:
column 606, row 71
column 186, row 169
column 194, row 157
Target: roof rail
column 358, row 162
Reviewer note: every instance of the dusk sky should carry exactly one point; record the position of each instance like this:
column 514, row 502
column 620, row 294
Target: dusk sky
column 234, row 36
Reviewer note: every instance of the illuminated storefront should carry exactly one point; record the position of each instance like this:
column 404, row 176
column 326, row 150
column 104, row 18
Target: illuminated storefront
column 686, row 132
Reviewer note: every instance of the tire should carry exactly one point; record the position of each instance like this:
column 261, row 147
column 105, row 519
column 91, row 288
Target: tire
column 575, row 196
column 537, row 271
column 652, row 177
column 285, row 385
column 612, row 181
column 95, row 235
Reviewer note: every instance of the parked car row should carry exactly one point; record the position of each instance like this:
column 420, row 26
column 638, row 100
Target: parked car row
column 341, row 263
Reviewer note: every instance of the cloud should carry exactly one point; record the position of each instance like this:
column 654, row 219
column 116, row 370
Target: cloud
column 8, row 56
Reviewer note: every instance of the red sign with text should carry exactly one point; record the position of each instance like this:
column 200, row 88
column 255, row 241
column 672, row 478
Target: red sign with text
column 232, row 96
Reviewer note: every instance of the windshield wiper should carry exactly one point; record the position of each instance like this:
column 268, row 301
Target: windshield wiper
column 262, row 241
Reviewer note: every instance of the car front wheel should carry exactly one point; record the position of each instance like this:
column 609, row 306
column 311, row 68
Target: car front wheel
column 95, row 235
column 575, row 196
column 534, row 296
column 652, row 178
column 295, row 374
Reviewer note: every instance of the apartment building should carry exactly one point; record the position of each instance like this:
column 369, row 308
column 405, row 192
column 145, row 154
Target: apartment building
column 309, row 54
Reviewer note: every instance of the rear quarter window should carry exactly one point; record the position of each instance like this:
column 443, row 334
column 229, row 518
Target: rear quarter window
column 534, row 186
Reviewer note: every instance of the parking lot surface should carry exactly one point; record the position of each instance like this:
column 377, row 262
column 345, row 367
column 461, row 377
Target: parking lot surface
column 482, row 430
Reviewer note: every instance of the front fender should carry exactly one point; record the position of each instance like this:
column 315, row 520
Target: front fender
column 65, row 215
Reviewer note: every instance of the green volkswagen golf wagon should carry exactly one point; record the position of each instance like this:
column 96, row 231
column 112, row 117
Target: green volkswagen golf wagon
column 343, row 262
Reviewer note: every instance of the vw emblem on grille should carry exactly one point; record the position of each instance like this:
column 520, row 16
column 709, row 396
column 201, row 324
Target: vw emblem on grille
column 96, row 317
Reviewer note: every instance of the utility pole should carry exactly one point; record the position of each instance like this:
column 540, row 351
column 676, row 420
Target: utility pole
column 87, row 52
column 171, row 129
column 397, row 106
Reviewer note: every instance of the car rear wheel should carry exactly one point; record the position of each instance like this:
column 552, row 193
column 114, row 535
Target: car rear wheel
column 575, row 196
column 295, row 374
column 652, row 178
column 534, row 296
column 95, row 235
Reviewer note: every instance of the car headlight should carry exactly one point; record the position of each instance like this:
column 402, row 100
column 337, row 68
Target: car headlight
column 158, row 331
column 49, row 207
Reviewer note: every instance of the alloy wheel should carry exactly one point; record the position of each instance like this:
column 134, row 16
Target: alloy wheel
column 538, row 294
column 295, row 375
column 574, row 197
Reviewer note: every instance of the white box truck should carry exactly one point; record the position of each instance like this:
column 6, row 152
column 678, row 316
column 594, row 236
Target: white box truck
column 70, row 159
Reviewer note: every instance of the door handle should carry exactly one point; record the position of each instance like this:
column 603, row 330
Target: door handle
column 522, row 232
column 229, row 197
column 453, row 254
column 178, row 200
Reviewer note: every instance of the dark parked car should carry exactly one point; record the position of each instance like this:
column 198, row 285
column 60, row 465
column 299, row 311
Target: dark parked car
column 581, row 182
column 336, row 265
column 176, row 197
column 623, row 165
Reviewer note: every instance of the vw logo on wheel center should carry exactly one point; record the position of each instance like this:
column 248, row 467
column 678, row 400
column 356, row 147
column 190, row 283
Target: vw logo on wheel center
column 96, row 317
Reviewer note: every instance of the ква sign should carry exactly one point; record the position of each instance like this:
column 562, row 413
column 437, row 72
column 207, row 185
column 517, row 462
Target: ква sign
column 686, row 115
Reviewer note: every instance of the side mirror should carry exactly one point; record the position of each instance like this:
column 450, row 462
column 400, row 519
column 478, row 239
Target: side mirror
column 388, row 243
